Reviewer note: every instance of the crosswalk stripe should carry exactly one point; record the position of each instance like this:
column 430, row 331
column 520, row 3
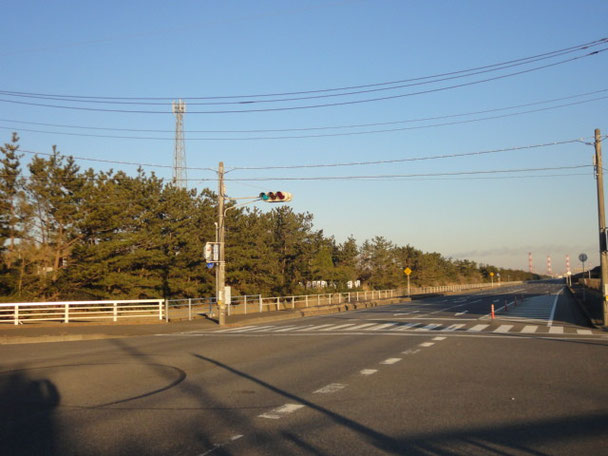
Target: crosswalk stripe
column 406, row 326
column 365, row 325
column 334, row 328
column 454, row 327
column 314, row 328
column 503, row 329
column 252, row 329
column 233, row 329
column 478, row 328
column 556, row 330
column 529, row 329
column 287, row 328
column 586, row 332
column 429, row 327
column 379, row 327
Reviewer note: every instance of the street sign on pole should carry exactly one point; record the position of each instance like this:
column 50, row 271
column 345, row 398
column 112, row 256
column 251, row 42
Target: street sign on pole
column 407, row 271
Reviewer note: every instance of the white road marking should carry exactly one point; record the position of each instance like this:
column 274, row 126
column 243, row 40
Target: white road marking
column 405, row 326
column 461, row 313
column 280, row 412
column 553, row 308
column 312, row 328
column 426, row 344
column 503, row 329
column 429, row 327
column 586, row 332
column 439, row 338
column 529, row 329
column 331, row 388
column 234, row 329
column 556, row 330
column 362, row 326
column 390, row 361
column 287, row 328
column 254, row 328
column 333, row 328
column 478, row 328
column 454, row 327
column 379, row 327
column 411, row 351
column 368, row 371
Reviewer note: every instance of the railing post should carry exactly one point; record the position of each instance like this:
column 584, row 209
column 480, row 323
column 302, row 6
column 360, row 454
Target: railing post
column 318, row 300
column 357, row 296
column 339, row 298
column 189, row 308
column 329, row 298
column 115, row 311
column 167, row 310
column 306, row 300
column 260, row 298
column 278, row 303
column 160, row 309
column 349, row 296
column 66, row 315
column 16, row 315
column 293, row 302
column 245, row 303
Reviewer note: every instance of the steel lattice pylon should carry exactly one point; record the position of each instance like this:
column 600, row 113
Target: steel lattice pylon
column 180, row 175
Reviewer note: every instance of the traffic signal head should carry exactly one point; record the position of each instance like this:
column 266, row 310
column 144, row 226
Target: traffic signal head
column 276, row 197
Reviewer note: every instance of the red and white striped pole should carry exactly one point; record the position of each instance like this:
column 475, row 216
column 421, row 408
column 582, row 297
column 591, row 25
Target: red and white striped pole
column 549, row 271
column 492, row 311
column 530, row 262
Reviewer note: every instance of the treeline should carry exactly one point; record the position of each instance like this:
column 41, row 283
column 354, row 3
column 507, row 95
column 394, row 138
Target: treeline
column 67, row 233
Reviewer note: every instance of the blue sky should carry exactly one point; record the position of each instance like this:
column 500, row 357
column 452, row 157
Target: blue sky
column 195, row 49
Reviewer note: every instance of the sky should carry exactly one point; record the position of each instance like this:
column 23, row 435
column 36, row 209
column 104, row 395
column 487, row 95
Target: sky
column 431, row 108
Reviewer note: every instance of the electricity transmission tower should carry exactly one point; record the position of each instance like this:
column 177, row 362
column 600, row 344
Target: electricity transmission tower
column 180, row 177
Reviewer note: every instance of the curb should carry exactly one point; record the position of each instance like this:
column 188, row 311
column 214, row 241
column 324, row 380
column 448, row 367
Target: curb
column 583, row 309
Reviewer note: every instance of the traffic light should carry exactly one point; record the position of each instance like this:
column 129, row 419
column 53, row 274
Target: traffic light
column 276, row 197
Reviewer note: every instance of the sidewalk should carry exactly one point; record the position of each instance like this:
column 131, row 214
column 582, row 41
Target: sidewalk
column 61, row 332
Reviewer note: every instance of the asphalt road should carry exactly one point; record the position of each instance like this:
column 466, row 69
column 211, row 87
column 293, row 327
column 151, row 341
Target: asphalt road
column 431, row 377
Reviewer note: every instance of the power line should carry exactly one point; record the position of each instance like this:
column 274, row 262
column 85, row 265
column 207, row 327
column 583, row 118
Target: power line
column 314, row 106
column 324, row 135
column 550, row 54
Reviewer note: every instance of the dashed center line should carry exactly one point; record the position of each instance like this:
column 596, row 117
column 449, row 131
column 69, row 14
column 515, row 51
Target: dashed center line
column 390, row 361
column 368, row 371
column 426, row 344
column 331, row 388
column 282, row 411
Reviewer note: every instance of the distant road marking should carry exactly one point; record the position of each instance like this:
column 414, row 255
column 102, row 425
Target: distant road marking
column 556, row 330
column 473, row 302
column 426, row 344
column 411, row 351
column 406, row 326
column 439, row 338
column 363, row 326
column 333, row 328
column 368, row 371
column 429, row 327
column 529, row 329
column 254, row 328
column 379, row 327
column 454, row 327
column 282, row 411
column 554, row 307
column 461, row 313
column 503, row 329
column 390, row 361
column 287, row 328
column 234, row 329
column 584, row 332
column 331, row 388
column 220, row 445
column 478, row 328
column 312, row 328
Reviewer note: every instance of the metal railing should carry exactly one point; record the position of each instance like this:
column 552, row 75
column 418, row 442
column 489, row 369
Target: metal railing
column 67, row 311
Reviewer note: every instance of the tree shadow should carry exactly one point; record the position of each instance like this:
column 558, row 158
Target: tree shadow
column 27, row 409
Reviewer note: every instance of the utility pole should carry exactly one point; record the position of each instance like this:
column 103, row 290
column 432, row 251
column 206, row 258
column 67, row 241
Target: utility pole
column 599, row 173
column 221, row 270
column 180, row 178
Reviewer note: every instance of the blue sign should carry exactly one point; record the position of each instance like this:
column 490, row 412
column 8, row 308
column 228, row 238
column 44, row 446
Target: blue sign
column 210, row 265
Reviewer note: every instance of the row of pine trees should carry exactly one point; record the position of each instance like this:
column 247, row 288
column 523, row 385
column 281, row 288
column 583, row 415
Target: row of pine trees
column 68, row 233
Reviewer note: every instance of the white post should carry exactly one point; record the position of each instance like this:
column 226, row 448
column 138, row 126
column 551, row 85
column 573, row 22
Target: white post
column 189, row 308
column 66, row 316
column 318, row 300
column 167, row 310
column 160, row 309
column 115, row 308
column 357, row 296
column 278, row 303
column 293, row 302
column 245, row 303
column 16, row 315
column 349, row 296
column 260, row 298
column 306, row 300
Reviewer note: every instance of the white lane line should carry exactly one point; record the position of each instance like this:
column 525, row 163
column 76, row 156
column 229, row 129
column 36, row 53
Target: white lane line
column 439, row 338
column 220, row 445
column 426, row 344
column 556, row 330
column 586, row 332
column 529, row 329
column 333, row 328
column 390, row 361
column 461, row 313
column 368, row 371
column 554, row 307
column 503, row 329
column 478, row 328
column 379, row 327
column 331, row 388
column 454, row 327
column 411, row 351
column 473, row 302
column 313, row 328
column 282, row 411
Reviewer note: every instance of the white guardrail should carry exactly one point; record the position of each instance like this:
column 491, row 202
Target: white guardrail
column 67, row 311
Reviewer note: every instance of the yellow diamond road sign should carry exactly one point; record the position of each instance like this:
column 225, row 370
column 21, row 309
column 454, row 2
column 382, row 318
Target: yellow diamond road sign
column 407, row 271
